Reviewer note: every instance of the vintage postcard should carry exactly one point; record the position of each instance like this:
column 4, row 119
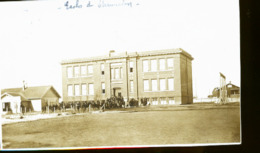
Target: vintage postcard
column 119, row 73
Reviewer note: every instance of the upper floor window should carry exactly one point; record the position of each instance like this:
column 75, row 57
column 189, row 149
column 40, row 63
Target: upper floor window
column 162, row 85
column 84, row 89
column 131, row 86
column 121, row 72
column 162, row 64
column 83, row 70
column 70, row 91
column 146, row 85
column 102, row 69
column 76, row 71
column 112, row 73
column 154, row 65
column 131, row 66
column 154, row 84
column 170, row 63
column 103, row 88
column 76, row 87
column 145, row 66
column 170, row 84
column 90, row 69
column 69, row 72
column 117, row 75
column 91, row 89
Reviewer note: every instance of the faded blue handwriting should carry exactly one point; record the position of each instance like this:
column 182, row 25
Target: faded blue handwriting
column 79, row 4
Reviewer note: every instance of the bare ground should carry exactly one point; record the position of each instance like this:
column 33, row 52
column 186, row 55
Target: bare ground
column 138, row 126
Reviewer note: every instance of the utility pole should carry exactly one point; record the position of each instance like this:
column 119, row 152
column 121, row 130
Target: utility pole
column 223, row 89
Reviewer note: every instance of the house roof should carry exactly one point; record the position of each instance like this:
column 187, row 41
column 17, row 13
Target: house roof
column 15, row 94
column 128, row 54
column 233, row 86
column 36, row 92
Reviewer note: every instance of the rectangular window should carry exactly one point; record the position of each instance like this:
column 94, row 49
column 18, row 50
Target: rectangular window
column 163, row 101
column 154, row 85
column 117, row 73
column 70, row 91
column 121, row 73
column 145, row 66
column 103, row 88
column 171, row 101
column 90, row 69
column 76, row 88
column 154, row 65
column 76, row 71
column 83, row 70
column 162, row 64
column 162, row 85
column 132, row 86
column 170, row 84
column 155, row 101
column 131, row 65
column 146, row 85
column 91, row 89
column 69, row 72
column 83, row 89
column 112, row 74
column 170, row 62
column 102, row 69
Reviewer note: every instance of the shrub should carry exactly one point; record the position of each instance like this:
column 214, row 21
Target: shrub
column 115, row 102
column 144, row 101
column 133, row 102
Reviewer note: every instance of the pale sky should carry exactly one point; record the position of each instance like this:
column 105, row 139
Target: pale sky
column 36, row 36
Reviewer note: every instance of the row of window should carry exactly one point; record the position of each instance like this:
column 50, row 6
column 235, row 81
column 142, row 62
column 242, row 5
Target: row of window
column 84, row 90
column 152, row 65
column 164, row 84
column 90, row 89
column 163, row 101
column 82, row 70
column 148, row 65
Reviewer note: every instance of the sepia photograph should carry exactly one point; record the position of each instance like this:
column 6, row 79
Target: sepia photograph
column 119, row 73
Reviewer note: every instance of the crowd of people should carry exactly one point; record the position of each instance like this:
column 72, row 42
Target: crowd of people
column 85, row 106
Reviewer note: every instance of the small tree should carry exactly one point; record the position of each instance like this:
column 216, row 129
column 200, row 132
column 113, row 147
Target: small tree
column 133, row 102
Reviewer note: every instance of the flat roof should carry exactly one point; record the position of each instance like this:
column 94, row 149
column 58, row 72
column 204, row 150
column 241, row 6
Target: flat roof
column 120, row 55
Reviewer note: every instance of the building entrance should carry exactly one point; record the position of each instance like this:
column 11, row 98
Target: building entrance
column 117, row 92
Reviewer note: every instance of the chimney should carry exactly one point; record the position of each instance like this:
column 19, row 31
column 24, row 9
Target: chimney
column 24, row 85
column 111, row 53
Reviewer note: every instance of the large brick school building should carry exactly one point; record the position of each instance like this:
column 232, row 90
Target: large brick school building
column 162, row 76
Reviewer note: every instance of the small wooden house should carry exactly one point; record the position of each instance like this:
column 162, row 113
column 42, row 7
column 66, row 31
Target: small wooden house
column 28, row 99
column 233, row 91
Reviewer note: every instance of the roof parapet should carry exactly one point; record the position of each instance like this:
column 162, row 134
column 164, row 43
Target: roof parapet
column 113, row 55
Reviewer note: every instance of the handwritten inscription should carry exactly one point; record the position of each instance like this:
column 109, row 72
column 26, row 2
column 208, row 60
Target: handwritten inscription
column 72, row 6
column 103, row 3
column 77, row 4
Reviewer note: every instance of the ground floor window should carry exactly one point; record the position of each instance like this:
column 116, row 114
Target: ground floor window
column 171, row 101
column 154, row 101
column 163, row 101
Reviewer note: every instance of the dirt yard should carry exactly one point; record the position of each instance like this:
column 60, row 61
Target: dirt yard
column 135, row 127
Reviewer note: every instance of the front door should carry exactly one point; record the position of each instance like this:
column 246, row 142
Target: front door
column 117, row 92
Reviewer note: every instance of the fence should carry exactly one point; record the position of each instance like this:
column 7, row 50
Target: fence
column 208, row 100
